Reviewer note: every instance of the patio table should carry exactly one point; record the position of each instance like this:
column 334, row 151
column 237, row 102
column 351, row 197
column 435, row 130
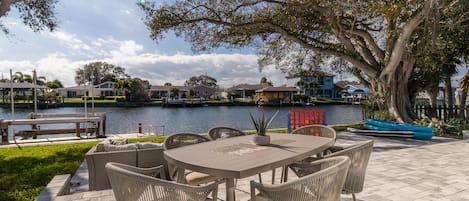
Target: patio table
column 239, row 157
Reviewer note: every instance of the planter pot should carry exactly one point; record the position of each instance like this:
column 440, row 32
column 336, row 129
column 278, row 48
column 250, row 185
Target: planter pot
column 465, row 134
column 261, row 140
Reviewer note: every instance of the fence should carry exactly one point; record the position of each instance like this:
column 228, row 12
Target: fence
column 439, row 112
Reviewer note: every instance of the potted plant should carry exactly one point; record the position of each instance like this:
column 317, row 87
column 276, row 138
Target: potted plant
column 262, row 124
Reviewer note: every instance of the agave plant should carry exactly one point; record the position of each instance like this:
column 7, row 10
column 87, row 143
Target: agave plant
column 261, row 123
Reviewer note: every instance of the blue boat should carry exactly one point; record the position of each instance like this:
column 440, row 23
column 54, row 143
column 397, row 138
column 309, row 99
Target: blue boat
column 398, row 126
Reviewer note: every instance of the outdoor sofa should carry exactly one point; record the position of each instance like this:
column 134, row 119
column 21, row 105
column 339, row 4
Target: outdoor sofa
column 143, row 155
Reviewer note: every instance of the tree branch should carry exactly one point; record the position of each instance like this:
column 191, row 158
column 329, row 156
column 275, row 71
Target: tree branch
column 5, row 6
column 407, row 30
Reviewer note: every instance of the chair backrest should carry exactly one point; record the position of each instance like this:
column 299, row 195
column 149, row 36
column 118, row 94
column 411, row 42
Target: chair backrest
column 183, row 139
column 323, row 185
column 359, row 155
column 130, row 185
column 316, row 130
column 224, row 132
column 180, row 140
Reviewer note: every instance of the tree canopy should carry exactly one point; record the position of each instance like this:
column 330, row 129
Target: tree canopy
column 201, row 80
column 134, row 89
column 99, row 72
column 375, row 37
column 36, row 14
column 54, row 84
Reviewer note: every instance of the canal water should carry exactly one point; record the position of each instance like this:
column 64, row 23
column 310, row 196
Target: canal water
column 196, row 119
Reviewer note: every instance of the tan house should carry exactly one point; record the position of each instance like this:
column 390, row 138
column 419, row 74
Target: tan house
column 276, row 95
column 159, row 91
column 246, row 90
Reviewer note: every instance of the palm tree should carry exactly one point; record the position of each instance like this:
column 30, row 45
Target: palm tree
column 20, row 77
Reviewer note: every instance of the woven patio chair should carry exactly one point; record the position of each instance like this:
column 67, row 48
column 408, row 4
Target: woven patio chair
column 321, row 131
column 128, row 183
column 184, row 139
column 314, row 130
column 224, row 132
column 359, row 155
column 323, row 185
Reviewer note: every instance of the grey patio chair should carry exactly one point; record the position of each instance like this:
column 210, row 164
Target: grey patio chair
column 184, row 139
column 224, row 132
column 314, row 130
column 359, row 155
column 321, row 131
column 323, row 185
column 133, row 183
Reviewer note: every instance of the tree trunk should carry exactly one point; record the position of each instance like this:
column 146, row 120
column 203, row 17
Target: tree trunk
column 433, row 92
column 397, row 92
column 449, row 92
column 462, row 101
column 449, row 96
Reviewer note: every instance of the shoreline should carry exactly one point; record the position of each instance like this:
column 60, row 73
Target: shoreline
column 154, row 104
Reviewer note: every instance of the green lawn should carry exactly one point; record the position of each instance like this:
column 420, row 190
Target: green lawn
column 89, row 101
column 25, row 171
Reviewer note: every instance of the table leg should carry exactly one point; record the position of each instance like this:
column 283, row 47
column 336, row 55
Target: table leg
column 230, row 189
column 181, row 176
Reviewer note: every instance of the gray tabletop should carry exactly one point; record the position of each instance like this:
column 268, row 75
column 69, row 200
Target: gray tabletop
column 238, row 157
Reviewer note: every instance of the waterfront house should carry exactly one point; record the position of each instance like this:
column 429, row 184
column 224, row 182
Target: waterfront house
column 246, row 90
column 160, row 91
column 276, row 95
column 102, row 89
column 318, row 84
column 20, row 89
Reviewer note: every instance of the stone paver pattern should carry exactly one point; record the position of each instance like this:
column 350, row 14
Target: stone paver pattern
column 399, row 170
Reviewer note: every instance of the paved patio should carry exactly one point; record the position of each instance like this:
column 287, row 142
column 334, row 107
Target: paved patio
column 399, row 169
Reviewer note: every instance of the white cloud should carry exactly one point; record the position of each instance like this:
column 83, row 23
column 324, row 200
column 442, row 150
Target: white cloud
column 228, row 69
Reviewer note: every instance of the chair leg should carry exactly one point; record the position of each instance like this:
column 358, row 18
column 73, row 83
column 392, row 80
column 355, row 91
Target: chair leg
column 273, row 176
column 285, row 174
column 260, row 178
column 353, row 196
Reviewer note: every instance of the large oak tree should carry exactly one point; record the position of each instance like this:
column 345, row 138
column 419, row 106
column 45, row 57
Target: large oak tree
column 36, row 14
column 372, row 35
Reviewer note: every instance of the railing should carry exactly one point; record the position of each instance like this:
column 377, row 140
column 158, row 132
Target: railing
column 439, row 112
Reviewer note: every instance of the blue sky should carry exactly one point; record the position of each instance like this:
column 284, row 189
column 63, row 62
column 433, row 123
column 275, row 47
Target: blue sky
column 113, row 31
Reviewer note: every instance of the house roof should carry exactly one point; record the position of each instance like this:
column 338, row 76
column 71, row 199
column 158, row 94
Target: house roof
column 20, row 85
column 343, row 84
column 245, row 87
column 277, row 89
column 309, row 73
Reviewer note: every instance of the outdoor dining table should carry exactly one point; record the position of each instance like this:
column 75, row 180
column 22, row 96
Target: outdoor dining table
column 239, row 157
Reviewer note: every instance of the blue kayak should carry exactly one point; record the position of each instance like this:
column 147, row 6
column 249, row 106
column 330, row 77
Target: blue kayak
column 398, row 126
column 415, row 134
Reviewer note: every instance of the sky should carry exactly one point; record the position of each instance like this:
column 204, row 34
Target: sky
column 114, row 32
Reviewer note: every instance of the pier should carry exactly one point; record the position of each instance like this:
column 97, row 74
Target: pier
column 98, row 127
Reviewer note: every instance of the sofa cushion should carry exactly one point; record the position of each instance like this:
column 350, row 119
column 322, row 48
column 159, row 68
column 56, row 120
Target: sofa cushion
column 110, row 147
column 119, row 141
column 100, row 146
column 148, row 145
